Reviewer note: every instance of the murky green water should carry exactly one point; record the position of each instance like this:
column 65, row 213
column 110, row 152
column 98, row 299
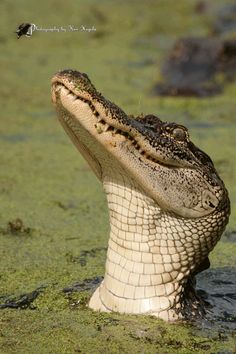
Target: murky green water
column 45, row 182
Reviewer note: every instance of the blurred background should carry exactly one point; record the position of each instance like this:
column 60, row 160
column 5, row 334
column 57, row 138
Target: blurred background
column 175, row 59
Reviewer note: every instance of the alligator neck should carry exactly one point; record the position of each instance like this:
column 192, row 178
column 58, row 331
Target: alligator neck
column 141, row 275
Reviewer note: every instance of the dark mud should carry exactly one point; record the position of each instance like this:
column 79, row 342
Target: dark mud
column 23, row 301
column 217, row 286
column 87, row 284
column 193, row 64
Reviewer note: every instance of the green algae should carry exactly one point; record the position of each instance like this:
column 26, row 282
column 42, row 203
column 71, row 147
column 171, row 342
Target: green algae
column 47, row 185
column 88, row 332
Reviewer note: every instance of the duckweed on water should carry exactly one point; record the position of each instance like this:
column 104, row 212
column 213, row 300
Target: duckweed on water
column 53, row 212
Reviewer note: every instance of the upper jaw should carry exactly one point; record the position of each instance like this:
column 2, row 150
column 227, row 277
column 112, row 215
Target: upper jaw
column 130, row 129
column 110, row 118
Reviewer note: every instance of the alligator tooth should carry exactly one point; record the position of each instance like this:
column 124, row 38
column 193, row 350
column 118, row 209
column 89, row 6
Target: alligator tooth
column 71, row 95
column 99, row 119
column 106, row 127
column 115, row 130
column 57, row 88
column 99, row 128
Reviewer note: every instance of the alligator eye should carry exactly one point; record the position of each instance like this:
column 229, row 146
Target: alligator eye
column 179, row 134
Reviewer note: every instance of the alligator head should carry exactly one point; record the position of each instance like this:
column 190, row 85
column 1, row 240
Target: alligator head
column 168, row 206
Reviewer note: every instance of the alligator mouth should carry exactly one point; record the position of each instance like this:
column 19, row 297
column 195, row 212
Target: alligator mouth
column 121, row 145
column 107, row 127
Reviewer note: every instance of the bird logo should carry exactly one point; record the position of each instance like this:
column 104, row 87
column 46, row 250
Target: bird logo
column 25, row 29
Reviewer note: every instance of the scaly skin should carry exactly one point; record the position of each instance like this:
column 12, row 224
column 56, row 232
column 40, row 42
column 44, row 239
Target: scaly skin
column 168, row 206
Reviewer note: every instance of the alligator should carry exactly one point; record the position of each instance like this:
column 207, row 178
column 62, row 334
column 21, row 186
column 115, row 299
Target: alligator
column 167, row 205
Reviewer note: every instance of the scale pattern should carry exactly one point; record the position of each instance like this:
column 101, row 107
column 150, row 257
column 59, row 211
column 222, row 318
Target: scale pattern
column 150, row 253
